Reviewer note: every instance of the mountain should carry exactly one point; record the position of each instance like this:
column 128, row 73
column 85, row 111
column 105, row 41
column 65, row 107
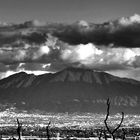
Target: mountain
column 70, row 90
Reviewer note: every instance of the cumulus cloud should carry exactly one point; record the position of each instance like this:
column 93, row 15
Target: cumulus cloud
column 79, row 53
column 130, row 20
column 24, row 53
column 55, row 55
column 102, row 58
column 39, row 47
column 123, row 32
column 33, row 23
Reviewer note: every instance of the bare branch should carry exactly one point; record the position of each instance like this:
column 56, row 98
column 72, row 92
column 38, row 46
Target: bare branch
column 47, row 129
column 19, row 129
column 124, row 134
column 105, row 135
column 105, row 121
column 107, row 115
column 18, row 122
column 100, row 134
column 119, row 123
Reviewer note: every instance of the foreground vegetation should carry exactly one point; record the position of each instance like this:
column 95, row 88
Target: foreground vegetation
column 105, row 132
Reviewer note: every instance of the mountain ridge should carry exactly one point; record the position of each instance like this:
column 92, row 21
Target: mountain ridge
column 70, row 90
column 97, row 74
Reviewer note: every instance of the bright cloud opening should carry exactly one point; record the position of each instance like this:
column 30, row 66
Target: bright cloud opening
column 44, row 49
column 86, row 51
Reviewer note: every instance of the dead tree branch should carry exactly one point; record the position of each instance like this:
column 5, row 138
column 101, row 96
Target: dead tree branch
column 48, row 131
column 105, row 136
column 112, row 132
column 124, row 134
column 99, row 133
column 19, row 129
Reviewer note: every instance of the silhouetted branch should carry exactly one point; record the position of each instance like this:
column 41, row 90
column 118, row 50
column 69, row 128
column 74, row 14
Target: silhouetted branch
column 105, row 121
column 100, row 134
column 47, row 129
column 107, row 115
column 105, row 135
column 124, row 134
column 19, row 128
column 119, row 123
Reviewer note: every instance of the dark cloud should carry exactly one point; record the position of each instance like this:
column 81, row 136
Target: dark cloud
column 114, row 33
column 123, row 32
column 8, row 39
column 35, row 46
column 35, row 37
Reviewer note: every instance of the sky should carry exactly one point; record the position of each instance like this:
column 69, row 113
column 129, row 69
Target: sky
column 66, row 10
column 39, row 36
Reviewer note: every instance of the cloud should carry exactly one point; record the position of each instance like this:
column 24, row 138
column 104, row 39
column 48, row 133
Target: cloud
column 24, row 53
column 34, row 37
column 55, row 55
column 100, row 57
column 80, row 52
column 36, row 47
column 130, row 20
column 33, row 23
column 123, row 32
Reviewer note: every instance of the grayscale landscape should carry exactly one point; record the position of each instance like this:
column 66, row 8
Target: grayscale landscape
column 69, row 69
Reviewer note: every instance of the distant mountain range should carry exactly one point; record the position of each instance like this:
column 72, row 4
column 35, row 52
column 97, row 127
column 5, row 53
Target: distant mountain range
column 70, row 90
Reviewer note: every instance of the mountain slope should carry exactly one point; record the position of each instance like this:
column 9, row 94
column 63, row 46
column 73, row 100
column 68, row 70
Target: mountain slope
column 70, row 90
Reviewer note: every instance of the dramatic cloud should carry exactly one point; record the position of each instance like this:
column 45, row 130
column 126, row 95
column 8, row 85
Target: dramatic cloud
column 39, row 47
column 102, row 58
column 123, row 32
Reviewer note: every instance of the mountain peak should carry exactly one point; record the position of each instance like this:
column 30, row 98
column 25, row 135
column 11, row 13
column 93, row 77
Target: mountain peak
column 72, row 89
column 89, row 76
column 69, row 74
column 18, row 80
